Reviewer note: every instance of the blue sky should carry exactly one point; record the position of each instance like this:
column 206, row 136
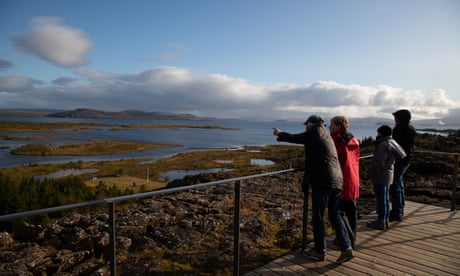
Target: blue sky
column 256, row 58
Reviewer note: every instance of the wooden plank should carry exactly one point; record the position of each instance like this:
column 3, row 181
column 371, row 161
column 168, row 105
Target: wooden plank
column 426, row 242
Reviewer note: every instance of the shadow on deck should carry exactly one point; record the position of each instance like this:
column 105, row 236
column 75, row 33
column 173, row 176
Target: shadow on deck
column 426, row 242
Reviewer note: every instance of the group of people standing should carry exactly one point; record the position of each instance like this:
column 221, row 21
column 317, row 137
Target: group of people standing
column 332, row 174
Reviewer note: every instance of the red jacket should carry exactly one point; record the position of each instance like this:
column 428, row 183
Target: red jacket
column 348, row 151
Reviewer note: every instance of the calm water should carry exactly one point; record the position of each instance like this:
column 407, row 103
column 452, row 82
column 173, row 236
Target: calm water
column 251, row 133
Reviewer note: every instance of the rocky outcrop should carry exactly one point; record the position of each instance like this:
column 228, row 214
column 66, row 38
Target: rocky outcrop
column 186, row 231
column 190, row 231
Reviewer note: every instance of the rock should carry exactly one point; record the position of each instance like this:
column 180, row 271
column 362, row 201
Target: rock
column 5, row 240
column 186, row 232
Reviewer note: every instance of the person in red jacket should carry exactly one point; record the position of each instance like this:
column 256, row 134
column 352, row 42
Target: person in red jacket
column 348, row 152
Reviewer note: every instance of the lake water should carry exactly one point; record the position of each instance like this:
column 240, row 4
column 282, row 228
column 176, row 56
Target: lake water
column 67, row 172
column 250, row 133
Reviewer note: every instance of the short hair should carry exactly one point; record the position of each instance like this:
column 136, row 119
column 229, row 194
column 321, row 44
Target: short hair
column 384, row 130
column 341, row 121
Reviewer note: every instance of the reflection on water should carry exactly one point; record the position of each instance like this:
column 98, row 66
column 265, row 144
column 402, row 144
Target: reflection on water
column 63, row 173
column 179, row 174
column 250, row 133
column 261, row 162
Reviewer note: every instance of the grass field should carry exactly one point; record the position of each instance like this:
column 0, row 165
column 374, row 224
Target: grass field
column 127, row 182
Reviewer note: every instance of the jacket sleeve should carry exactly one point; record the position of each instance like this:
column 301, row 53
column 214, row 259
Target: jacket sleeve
column 299, row 138
column 378, row 162
column 396, row 149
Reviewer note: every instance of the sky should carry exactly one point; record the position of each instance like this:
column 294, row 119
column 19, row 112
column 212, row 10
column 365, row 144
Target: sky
column 233, row 59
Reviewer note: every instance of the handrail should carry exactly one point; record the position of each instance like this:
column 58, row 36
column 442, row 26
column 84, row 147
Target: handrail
column 455, row 155
column 112, row 201
column 130, row 197
column 438, row 152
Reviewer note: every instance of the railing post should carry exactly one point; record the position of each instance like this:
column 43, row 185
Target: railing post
column 113, row 253
column 236, row 230
column 454, row 184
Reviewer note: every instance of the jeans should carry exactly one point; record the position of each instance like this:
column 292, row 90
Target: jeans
column 397, row 189
column 349, row 210
column 330, row 199
column 383, row 203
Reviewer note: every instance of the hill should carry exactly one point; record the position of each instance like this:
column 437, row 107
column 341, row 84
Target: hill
column 84, row 113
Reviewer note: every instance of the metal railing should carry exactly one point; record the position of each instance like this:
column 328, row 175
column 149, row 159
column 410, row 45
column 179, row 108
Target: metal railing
column 111, row 202
column 454, row 174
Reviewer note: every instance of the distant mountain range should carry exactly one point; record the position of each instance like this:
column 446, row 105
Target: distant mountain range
column 83, row 113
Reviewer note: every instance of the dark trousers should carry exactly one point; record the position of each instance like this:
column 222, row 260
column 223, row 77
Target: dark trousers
column 397, row 189
column 349, row 211
column 383, row 202
column 330, row 199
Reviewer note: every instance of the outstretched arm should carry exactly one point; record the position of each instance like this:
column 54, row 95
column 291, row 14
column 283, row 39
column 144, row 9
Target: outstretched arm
column 290, row 138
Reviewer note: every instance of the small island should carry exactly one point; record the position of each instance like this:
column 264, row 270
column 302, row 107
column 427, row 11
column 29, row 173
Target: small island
column 96, row 147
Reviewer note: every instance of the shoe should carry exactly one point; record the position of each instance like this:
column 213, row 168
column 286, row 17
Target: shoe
column 387, row 225
column 312, row 254
column 345, row 256
column 376, row 225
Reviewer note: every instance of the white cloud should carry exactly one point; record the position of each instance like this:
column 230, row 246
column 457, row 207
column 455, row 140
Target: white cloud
column 182, row 91
column 16, row 84
column 440, row 98
column 62, row 45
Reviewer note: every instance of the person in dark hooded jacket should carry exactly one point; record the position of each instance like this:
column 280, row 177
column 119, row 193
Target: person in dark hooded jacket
column 404, row 134
column 324, row 176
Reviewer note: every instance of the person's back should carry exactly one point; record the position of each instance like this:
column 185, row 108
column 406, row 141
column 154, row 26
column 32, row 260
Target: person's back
column 350, row 170
column 404, row 134
column 381, row 169
column 380, row 172
column 348, row 150
column 324, row 176
column 321, row 161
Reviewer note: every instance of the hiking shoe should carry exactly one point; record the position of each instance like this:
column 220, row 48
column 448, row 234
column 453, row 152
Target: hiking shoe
column 313, row 255
column 375, row 224
column 345, row 256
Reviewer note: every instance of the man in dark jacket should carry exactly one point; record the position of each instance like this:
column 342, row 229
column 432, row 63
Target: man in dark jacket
column 404, row 134
column 324, row 176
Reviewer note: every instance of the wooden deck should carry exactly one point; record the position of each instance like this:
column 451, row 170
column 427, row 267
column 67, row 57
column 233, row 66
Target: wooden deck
column 426, row 242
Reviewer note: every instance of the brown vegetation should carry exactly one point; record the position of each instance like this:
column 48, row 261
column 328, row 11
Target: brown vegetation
column 95, row 147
